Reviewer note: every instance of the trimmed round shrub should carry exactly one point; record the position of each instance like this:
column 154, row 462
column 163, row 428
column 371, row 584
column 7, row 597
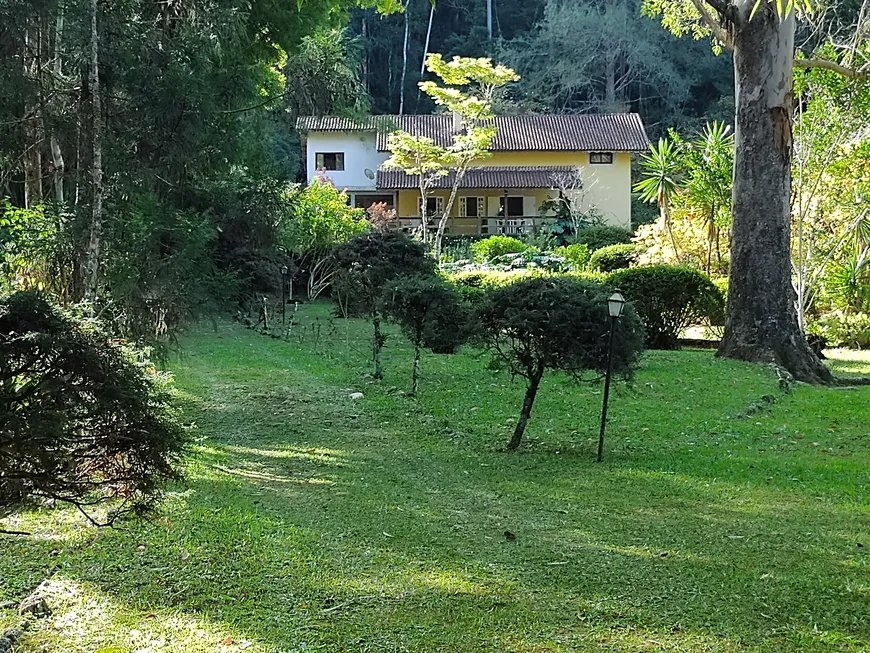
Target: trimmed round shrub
column 84, row 417
column 557, row 324
column 612, row 257
column 602, row 236
column 576, row 255
column 668, row 300
column 494, row 246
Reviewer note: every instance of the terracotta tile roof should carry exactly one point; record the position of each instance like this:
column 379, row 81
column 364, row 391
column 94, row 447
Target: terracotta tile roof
column 486, row 177
column 621, row 132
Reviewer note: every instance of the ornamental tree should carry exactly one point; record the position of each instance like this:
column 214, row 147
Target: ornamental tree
column 555, row 323
column 84, row 418
column 430, row 313
column 467, row 91
column 761, row 323
column 365, row 265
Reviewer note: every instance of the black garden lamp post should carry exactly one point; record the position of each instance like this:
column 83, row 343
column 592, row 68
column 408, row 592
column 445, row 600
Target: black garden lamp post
column 615, row 304
column 283, row 293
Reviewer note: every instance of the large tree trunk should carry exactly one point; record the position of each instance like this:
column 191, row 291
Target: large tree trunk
column 95, row 233
column 761, row 323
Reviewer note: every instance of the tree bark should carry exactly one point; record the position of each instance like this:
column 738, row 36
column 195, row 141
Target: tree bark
column 425, row 51
column 761, row 323
column 33, row 142
column 56, row 151
column 94, row 245
column 404, row 58
column 415, row 376
column 377, row 345
column 526, row 413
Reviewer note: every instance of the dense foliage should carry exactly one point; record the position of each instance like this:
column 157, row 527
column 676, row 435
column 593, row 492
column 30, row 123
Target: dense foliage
column 83, row 418
column 365, row 265
column 494, row 246
column 612, row 257
column 557, row 324
column 598, row 236
column 668, row 299
column 430, row 313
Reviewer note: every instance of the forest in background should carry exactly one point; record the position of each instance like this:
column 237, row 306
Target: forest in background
column 572, row 57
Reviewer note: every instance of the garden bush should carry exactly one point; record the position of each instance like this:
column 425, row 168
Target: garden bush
column 599, row 236
column 554, row 323
column 494, row 246
column 365, row 265
column 669, row 299
column 84, row 418
column 430, row 313
column 575, row 255
column 612, row 257
column 843, row 329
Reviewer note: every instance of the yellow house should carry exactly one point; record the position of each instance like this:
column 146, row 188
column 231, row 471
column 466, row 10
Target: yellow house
column 533, row 158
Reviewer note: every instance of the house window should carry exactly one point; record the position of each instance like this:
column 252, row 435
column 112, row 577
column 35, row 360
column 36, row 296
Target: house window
column 601, row 157
column 365, row 201
column 512, row 206
column 434, row 206
column 471, row 207
column 329, row 160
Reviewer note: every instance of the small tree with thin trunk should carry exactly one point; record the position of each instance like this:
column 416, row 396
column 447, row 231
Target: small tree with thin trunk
column 469, row 88
column 559, row 324
column 430, row 313
column 366, row 264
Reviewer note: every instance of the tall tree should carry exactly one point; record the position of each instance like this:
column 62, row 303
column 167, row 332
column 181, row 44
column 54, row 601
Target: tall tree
column 761, row 322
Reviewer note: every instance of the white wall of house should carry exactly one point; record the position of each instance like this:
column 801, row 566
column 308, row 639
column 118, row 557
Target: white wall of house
column 360, row 154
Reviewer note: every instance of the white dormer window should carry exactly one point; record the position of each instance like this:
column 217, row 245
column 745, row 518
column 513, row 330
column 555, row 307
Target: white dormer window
column 597, row 158
column 329, row 160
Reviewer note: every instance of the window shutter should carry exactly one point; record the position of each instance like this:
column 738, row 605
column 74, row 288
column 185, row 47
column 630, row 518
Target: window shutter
column 529, row 206
column 463, row 207
column 480, row 210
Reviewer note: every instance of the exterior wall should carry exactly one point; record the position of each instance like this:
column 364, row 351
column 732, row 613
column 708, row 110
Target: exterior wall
column 409, row 206
column 607, row 187
column 360, row 154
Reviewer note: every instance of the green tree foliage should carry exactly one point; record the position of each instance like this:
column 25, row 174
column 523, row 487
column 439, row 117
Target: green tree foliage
column 191, row 108
column 690, row 180
column 556, row 324
column 83, row 418
column 467, row 89
column 494, row 246
column 669, row 299
column 586, row 56
column 598, row 236
column 612, row 257
column 430, row 313
column 365, row 265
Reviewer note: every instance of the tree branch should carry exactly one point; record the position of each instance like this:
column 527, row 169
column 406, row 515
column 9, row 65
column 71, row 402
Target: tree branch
column 715, row 26
column 824, row 64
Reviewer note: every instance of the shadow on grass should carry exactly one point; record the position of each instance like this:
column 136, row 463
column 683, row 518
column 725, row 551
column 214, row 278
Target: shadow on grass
column 308, row 519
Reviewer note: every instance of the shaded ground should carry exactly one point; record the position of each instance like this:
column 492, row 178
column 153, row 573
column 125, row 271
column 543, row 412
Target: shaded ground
column 718, row 522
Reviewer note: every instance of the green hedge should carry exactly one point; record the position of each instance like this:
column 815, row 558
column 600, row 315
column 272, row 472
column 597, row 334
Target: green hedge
column 669, row 299
column 602, row 236
column 612, row 257
column 494, row 246
column 840, row 329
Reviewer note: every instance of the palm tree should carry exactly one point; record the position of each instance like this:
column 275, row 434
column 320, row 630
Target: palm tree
column 661, row 167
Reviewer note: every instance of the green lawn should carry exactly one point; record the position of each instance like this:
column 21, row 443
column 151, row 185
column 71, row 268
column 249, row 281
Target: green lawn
column 310, row 522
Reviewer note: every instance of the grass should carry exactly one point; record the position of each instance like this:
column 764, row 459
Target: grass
column 719, row 521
